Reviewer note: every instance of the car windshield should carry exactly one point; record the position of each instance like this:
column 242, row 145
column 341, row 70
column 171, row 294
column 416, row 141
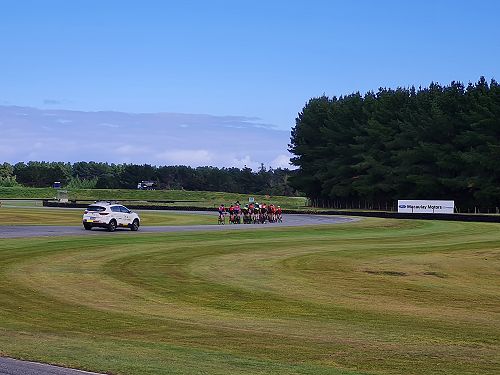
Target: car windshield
column 95, row 208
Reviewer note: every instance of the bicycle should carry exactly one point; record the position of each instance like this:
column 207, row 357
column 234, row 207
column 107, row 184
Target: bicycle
column 247, row 219
column 222, row 219
column 236, row 219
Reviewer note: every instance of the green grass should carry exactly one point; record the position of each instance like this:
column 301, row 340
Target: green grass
column 21, row 203
column 49, row 216
column 373, row 297
column 199, row 198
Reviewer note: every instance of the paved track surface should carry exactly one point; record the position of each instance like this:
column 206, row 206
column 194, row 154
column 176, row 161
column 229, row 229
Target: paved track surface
column 53, row 230
column 10, row 366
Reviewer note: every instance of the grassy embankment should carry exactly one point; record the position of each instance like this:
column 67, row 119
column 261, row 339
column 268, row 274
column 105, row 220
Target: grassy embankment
column 196, row 198
column 373, row 297
column 49, row 216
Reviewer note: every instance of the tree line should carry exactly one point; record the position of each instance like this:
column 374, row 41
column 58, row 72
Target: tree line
column 126, row 176
column 437, row 142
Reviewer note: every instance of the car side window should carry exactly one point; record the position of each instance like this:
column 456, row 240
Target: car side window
column 124, row 210
column 115, row 209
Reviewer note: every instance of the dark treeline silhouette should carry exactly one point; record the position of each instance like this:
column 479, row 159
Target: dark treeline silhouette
column 106, row 176
column 440, row 142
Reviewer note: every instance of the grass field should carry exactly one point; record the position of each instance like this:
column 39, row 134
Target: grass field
column 197, row 198
column 372, row 297
column 50, row 216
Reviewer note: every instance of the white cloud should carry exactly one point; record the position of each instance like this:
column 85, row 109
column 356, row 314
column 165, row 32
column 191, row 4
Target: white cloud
column 186, row 157
column 281, row 161
column 245, row 161
column 151, row 138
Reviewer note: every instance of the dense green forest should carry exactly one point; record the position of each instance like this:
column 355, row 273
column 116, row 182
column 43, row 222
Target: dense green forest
column 366, row 151
column 81, row 175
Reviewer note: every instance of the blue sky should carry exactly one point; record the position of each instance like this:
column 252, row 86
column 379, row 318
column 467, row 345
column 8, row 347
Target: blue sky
column 254, row 59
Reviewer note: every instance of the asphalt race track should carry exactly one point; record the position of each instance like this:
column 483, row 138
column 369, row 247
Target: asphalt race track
column 9, row 366
column 52, row 230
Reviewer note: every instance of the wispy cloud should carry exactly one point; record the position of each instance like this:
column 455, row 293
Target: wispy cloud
column 244, row 161
column 153, row 138
column 186, row 157
column 282, row 161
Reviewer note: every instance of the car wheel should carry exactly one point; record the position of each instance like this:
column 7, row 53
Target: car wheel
column 112, row 225
column 135, row 225
column 87, row 226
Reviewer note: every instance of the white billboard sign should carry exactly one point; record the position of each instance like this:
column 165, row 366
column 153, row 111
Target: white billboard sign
column 426, row 207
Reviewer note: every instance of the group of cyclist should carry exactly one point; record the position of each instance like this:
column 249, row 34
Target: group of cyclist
column 251, row 213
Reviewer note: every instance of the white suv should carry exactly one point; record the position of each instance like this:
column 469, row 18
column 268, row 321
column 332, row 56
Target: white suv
column 110, row 215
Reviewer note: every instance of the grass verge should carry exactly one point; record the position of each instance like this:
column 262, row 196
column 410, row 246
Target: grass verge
column 48, row 216
column 197, row 198
column 373, row 297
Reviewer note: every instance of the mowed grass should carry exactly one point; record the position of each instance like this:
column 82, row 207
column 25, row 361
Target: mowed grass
column 372, row 297
column 51, row 216
column 193, row 198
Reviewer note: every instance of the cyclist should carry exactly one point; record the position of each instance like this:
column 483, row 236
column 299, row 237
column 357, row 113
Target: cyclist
column 222, row 213
column 231, row 213
column 263, row 213
column 246, row 214
column 256, row 213
column 272, row 213
column 251, row 207
column 237, row 210
column 279, row 218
